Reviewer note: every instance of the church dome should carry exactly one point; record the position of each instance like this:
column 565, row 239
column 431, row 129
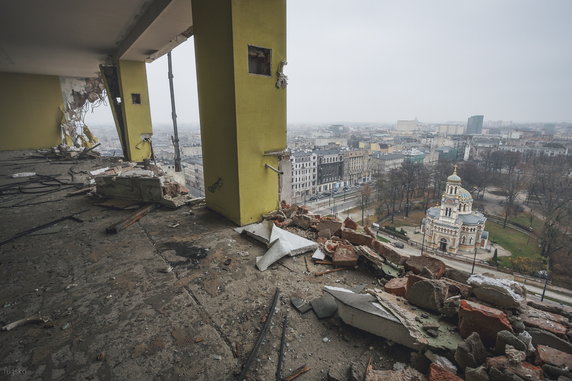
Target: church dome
column 464, row 195
column 454, row 178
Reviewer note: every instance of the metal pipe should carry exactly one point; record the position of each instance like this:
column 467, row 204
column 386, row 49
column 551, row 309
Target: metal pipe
column 282, row 346
column 174, row 138
column 274, row 169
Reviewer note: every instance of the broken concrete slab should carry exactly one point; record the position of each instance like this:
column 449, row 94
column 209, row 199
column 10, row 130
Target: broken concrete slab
column 324, row 306
column 417, row 263
column 471, row 352
column 457, row 275
column 428, row 294
column 300, row 305
column 332, row 225
column 547, row 355
column 457, row 288
column 502, row 293
column 260, row 231
column 364, row 311
column 541, row 337
column 379, row 264
column 282, row 243
column 486, row 321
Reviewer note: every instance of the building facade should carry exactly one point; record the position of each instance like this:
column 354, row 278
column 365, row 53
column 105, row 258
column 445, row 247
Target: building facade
column 453, row 225
column 475, row 125
column 385, row 162
column 304, row 172
column 355, row 167
column 330, row 169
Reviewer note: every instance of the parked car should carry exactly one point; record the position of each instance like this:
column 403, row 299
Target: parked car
column 542, row 274
column 398, row 244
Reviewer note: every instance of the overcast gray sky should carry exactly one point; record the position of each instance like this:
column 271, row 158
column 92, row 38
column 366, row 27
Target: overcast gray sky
column 438, row 60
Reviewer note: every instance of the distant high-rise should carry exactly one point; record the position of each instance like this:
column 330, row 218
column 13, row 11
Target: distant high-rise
column 475, row 125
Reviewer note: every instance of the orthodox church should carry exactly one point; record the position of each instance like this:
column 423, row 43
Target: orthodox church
column 454, row 225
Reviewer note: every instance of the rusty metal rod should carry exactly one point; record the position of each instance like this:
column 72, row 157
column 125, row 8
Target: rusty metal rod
column 260, row 339
column 114, row 229
column 282, row 347
column 298, row 372
column 330, row 271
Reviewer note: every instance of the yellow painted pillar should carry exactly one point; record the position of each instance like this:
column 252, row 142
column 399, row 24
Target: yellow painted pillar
column 239, row 47
column 126, row 85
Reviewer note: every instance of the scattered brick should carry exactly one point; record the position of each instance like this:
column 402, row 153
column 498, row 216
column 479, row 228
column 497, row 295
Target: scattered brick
column 547, row 355
column 349, row 223
column 345, row 256
column 387, row 252
column 440, row 373
column 486, row 321
column 417, row 263
column 397, row 286
column 356, row 238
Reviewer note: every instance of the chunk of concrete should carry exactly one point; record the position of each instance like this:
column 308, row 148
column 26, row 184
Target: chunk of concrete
column 349, row 223
column 324, row 306
column 388, row 252
column 319, row 255
column 471, row 352
column 508, row 338
column 428, row 294
column 301, row 305
column 417, row 263
column 523, row 370
column 541, row 337
column 457, row 275
column 407, row 374
column 486, row 321
column 551, row 322
column 502, row 293
column 283, row 243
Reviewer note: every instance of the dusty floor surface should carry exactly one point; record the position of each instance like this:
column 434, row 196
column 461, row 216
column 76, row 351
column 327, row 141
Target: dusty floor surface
column 114, row 313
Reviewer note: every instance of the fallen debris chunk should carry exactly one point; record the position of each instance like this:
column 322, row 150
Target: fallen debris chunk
column 345, row 255
column 501, row 365
column 502, row 293
column 440, row 373
column 541, row 337
column 388, row 252
column 406, row 374
column 471, row 352
column 318, row 255
column 114, row 229
column 80, row 191
column 396, row 286
column 280, row 242
column 356, row 238
column 427, row 293
column 505, row 338
column 300, row 305
column 349, row 223
column 21, row 322
column 281, row 351
column 324, row 306
column 417, row 263
column 547, row 355
column 486, row 321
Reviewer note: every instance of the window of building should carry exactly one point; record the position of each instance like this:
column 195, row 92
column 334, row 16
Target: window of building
column 136, row 98
column 259, row 60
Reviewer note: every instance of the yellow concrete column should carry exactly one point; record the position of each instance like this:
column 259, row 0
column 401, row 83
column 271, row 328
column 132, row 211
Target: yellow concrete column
column 136, row 109
column 128, row 95
column 239, row 46
column 30, row 113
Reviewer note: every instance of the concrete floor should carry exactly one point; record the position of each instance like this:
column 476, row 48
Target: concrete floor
column 114, row 313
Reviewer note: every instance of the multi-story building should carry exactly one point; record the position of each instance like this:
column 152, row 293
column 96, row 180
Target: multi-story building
column 194, row 176
column 330, row 169
column 475, row 125
column 384, row 162
column 356, row 166
column 304, row 174
column 407, row 127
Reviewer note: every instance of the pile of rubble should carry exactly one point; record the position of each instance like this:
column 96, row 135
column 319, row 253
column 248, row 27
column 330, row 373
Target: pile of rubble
column 457, row 325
